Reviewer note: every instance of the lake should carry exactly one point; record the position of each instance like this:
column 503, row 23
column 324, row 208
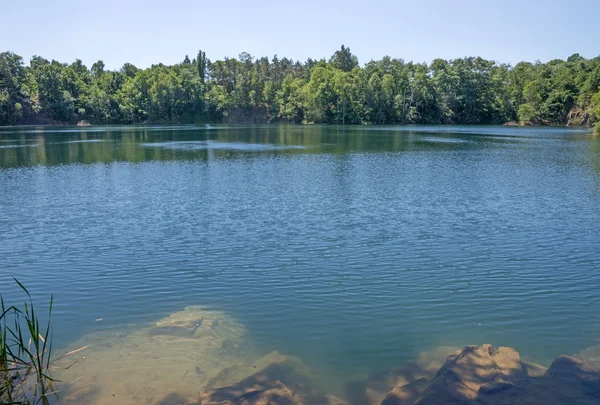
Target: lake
column 354, row 248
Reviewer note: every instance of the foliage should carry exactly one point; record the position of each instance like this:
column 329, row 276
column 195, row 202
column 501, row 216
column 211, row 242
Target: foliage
column 26, row 360
column 25, row 351
column 387, row 91
column 527, row 113
column 344, row 60
column 201, row 66
column 596, row 110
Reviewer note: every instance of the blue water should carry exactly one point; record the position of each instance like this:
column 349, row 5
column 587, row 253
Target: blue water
column 354, row 248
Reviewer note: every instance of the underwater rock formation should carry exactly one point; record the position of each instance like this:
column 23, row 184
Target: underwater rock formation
column 567, row 381
column 279, row 380
column 471, row 376
column 487, row 376
column 190, row 353
column 378, row 385
column 591, row 356
column 474, row 371
column 179, row 355
column 202, row 357
column 288, row 369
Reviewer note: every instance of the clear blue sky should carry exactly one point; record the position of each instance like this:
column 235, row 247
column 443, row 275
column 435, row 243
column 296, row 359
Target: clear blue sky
column 144, row 32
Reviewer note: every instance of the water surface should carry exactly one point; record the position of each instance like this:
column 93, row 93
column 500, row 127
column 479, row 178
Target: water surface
column 354, row 248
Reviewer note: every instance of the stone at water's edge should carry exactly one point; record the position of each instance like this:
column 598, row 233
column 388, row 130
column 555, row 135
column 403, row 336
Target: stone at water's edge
column 487, row 376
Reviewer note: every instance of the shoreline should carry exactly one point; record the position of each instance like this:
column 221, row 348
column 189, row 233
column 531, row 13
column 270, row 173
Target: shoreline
column 147, row 124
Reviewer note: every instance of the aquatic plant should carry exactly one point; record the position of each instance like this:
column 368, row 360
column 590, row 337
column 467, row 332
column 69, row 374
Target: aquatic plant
column 25, row 354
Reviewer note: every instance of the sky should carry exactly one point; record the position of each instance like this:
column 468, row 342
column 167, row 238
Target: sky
column 145, row 32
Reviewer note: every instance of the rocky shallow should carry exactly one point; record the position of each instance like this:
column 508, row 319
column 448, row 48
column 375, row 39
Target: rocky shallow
column 176, row 356
column 201, row 357
column 471, row 376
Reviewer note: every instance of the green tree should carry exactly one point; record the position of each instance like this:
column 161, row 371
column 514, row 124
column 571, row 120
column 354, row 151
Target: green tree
column 319, row 95
column 13, row 89
column 344, row 60
column 596, row 110
column 461, row 91
column 289, row 100
column 527, row 113
column 201, row 65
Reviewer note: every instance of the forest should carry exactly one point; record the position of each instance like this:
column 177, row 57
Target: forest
column 469, row 90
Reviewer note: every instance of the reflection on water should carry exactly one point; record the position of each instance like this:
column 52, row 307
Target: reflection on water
column 353, row 248
column 50, row 146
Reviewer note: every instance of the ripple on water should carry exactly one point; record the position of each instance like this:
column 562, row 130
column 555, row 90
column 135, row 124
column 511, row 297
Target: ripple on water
column 354, row 257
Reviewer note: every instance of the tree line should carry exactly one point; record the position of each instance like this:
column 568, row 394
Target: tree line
column 468, row 90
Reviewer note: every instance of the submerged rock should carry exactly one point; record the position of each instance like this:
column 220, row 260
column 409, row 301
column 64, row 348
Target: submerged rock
column 379, row 385
column 181, row 331
column 567, row 381
column 202, row 355
column 474, row 370
column 488, row 376
column 273, row 379
column 153, row 365
column 267, row 393
column 406, row 394
column 591, row 356
column 274, row 366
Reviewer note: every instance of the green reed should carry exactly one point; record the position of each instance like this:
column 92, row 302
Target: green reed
column 25, row 353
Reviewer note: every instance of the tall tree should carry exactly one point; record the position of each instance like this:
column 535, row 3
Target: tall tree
column 201, row 65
